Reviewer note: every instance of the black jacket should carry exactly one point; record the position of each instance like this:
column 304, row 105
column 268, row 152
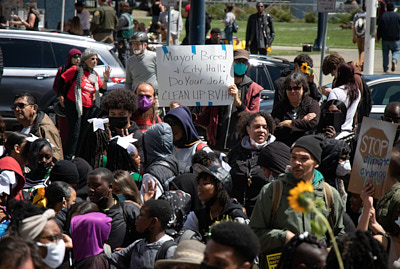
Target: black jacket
column 252, row 33
column 389, row 26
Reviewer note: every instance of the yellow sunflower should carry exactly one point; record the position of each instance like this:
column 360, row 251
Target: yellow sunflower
column 305, row 69
column 302, row 197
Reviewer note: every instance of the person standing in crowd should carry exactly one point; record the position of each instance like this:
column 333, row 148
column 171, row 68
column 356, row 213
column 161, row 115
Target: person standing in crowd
column 228, row 21
column 155, row 10
column 124, row 31
column 246, row 94
column 36, row 122
column 104, row 22
column 274, row 232
column 32, row 22
column 146, row 115
column 346, row 91
column 389, row 32
column 215, row 38
column 73, row 58
column 248, row 178
column 123, row 214
column 74, row 26
column 359, row 26
column 300, row 60
column 260, row 31
column 84, row 17
column 231, row 245
column 176, row 23
column 82, row 97
column 297, row 113
column 141, row 66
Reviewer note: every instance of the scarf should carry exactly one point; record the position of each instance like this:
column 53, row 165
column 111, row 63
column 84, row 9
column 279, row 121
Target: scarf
column 78, row 91
column 250, row 144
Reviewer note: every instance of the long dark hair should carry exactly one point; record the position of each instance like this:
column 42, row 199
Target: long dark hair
column 345, row 76
column 299, row 80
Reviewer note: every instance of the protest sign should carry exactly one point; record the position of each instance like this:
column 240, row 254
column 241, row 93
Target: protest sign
column 195, row 75
column 372, row 156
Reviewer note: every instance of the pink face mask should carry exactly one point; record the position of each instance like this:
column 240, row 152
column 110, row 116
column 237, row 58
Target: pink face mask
column 144, row 103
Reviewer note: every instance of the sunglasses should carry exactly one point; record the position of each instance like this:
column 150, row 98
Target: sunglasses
column 94, row 59
column 20, row 106
column 295, row 88
column 259, row 6
column 76, row 56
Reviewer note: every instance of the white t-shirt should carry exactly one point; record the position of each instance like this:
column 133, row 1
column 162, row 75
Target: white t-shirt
column 341, row 94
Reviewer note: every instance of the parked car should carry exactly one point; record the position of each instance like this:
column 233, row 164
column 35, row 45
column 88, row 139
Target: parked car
column 265, row 70
column 31, row 60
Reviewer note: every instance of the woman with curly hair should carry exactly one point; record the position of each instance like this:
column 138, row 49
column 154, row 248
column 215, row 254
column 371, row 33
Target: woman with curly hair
column 256, row 130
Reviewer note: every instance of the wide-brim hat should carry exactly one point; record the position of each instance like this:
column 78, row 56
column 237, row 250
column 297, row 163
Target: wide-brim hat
column 188, row 252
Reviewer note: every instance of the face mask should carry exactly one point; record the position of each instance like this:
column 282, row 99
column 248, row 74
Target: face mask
column 118, row 122
column 144, row 103
column 180, row 143
column 343, row 168
column 137, row 52
column 206, row 266
column 55, row 253
column 121, row 197
column 239, row 69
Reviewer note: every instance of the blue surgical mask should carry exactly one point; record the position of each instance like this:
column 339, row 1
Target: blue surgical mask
column 239, row 69
column 121, row 197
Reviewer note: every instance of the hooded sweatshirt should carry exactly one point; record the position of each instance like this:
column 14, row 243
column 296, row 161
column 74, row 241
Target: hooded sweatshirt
column 190, row 143
column 62, row 69
column 8, row 181
column 160, row 164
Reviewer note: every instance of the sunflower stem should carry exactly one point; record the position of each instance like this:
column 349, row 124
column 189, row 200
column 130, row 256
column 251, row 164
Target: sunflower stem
column 328, row 226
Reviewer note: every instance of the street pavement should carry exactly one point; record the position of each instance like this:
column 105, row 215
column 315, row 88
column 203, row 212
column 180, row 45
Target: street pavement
column 348, row 55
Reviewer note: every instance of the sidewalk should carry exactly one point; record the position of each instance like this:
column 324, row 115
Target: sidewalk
column 348, row 55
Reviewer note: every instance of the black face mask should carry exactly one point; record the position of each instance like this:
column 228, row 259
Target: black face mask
column 43, row 167
column 118, row 122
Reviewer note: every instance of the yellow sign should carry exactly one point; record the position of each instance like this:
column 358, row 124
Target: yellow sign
column 273, row 260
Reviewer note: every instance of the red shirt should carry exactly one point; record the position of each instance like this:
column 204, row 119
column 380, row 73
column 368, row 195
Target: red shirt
column 87, row 88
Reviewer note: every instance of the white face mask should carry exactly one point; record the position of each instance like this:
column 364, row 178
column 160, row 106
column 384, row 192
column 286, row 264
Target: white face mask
column 55, row 253
column 343, row 168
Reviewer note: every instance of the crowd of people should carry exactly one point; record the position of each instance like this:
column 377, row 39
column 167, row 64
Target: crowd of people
column 114, row 183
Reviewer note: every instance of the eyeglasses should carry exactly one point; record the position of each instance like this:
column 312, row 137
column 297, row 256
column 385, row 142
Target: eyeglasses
column 295, row 88
column 76, row 56
column 20, row 106
column 53, row 238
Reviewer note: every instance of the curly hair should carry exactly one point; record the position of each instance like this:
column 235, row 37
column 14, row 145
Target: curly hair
column 247, row 118
column 358, row 250
column 299, row 80
column 120, row 99
column 331, row 62
column 221, row 193
column 303, row 58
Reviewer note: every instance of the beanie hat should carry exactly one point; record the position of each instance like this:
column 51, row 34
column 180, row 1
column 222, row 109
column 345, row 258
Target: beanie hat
column 87, row 54
column 311, row 143
column 275, row 157
column 65, row 171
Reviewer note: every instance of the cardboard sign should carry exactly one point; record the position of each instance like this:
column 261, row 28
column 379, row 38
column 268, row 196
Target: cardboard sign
column 372, row 156
column 195, row 75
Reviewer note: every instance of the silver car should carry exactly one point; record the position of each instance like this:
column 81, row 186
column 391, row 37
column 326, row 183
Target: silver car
column 31, row 60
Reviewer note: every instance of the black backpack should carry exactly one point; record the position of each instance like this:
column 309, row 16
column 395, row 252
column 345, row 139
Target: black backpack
column 365, row 105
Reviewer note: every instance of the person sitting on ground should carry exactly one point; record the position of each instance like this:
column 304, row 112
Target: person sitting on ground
column 36, row 122
column 303, row 251
column 186, row 139
column 152, row 222
column 161, row 164
column 256, row 130
column 214, row 184
column 231, row 245
column 274, row 159
column 215, row 37
column 297, row 114
column 123, row 214
column 125, row 188
column 40, row 163
column 333, row 116
column 188, row 254
column 18, row 253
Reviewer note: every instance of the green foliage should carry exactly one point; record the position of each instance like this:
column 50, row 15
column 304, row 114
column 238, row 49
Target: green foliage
column 310, row 17
column 216, row 10
column 341, row 18
column 284, row 14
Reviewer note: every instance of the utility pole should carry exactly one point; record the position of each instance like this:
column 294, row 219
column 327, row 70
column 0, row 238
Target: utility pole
column 369, row 43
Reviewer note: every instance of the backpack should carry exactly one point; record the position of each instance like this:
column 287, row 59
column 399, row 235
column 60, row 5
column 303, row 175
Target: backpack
column 180, row 203
column 162, row 251
column 235, row 26
column 365, row 105
column 359, row 26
